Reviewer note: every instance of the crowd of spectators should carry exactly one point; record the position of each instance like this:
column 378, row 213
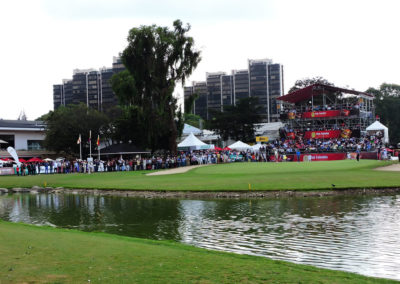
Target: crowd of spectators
column 278, row 150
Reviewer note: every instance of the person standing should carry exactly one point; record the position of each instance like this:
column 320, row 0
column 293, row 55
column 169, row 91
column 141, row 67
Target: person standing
column 298, row 153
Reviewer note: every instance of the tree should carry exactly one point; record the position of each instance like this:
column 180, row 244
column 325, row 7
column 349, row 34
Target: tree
column 302, row 83
column 387, row 105
column 156, row 59
column 193, row 119
column 189, row 102
column 65, row 124
column 237, row 122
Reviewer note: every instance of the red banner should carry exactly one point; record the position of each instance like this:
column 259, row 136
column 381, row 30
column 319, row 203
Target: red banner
column 324, row 113
column 322, row 134
column 318, row 157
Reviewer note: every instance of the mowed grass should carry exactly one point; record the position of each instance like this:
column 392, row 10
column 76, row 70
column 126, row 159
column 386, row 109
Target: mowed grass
column 30, row 254
column 224, row 177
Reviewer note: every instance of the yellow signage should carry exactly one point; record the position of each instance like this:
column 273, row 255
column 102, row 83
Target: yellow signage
column 262, row 138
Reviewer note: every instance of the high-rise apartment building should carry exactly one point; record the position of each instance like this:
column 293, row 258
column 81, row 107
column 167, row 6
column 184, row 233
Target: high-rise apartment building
column 262, row 79
column 91, row 87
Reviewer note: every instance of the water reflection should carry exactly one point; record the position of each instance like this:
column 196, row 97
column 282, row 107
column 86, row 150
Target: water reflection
column 357, row 234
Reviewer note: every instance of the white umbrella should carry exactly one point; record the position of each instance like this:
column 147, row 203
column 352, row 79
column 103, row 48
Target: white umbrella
column 48, row 160
column 3, row 142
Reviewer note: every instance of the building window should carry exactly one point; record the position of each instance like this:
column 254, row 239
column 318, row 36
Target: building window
column 35, row 145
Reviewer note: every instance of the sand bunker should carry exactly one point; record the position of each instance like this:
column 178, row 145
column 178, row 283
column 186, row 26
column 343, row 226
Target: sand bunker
column 175, row 170
column 391, row 168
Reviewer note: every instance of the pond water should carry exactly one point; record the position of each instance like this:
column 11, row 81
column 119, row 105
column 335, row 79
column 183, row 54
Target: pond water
column 353, row 233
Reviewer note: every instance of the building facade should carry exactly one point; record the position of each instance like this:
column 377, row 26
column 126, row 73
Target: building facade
column 263, row 79
column 89, row 86
column 22, row 134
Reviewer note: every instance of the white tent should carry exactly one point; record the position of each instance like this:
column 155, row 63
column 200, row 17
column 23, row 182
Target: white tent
column 187, row 129
column 239, row 145
column 256, row 147
column 193, row 143
column 377, row 126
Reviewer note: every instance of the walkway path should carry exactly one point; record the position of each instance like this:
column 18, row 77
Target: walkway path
column 179, row 170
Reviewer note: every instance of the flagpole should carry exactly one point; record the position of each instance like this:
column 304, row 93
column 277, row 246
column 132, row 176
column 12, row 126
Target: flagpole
column 80, row 148
column 98, row 147
column 90, row 142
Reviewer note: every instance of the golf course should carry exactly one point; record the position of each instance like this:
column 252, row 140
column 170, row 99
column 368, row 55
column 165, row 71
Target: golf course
column 42, row 254
column 228, row 177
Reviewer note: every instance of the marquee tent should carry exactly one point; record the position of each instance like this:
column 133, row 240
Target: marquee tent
column 256, row 147
column 239, row 145
column 193, row 143
column 187, row 129
column 377, row 126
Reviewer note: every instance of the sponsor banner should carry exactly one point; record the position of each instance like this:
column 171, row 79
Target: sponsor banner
column 315, row 157
column 262, row 138
column 325, row 134
column 318, row 157
column 6, row 171
column 325, row 113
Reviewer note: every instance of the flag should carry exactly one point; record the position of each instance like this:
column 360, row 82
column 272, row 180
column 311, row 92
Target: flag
column 79, row 140
column 98, row 140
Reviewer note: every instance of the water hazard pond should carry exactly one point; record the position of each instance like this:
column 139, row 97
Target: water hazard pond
column 353, row 233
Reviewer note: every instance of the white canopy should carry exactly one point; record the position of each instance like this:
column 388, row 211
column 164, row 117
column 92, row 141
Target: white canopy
column 187, row 129
column 239, row 145
column 193, row 142
column 377, row 126
column 256, row 147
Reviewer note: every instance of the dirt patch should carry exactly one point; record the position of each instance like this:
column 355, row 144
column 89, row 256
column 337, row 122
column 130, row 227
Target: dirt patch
column 391, row 168
column 180, row 170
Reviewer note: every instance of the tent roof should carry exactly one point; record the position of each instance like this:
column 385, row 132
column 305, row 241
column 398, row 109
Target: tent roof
column 187, row 129
column 257, row 147
column 316, row 90
column 191, row 141
column 121, row 149
column 239, row 145
column 376, row 126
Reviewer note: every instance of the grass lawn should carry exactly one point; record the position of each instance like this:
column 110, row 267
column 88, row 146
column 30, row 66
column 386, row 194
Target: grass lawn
column 235, row 176
column 30, row 254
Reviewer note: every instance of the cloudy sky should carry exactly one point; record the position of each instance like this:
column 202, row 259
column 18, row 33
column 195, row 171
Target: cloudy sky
column 351, row 43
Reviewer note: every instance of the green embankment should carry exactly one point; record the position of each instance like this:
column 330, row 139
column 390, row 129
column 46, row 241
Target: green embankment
column 235, row 176
column 30, row 254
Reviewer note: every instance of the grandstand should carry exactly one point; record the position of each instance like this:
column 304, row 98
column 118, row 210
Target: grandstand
column 322, row 112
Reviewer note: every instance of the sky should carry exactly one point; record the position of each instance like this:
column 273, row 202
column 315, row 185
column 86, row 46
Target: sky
column 350, row 43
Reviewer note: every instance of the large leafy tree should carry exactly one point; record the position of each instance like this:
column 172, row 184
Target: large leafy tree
column 237, row 122
column 387, row 106
column 156, row 60
column 302, row 83
column 66, row 123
